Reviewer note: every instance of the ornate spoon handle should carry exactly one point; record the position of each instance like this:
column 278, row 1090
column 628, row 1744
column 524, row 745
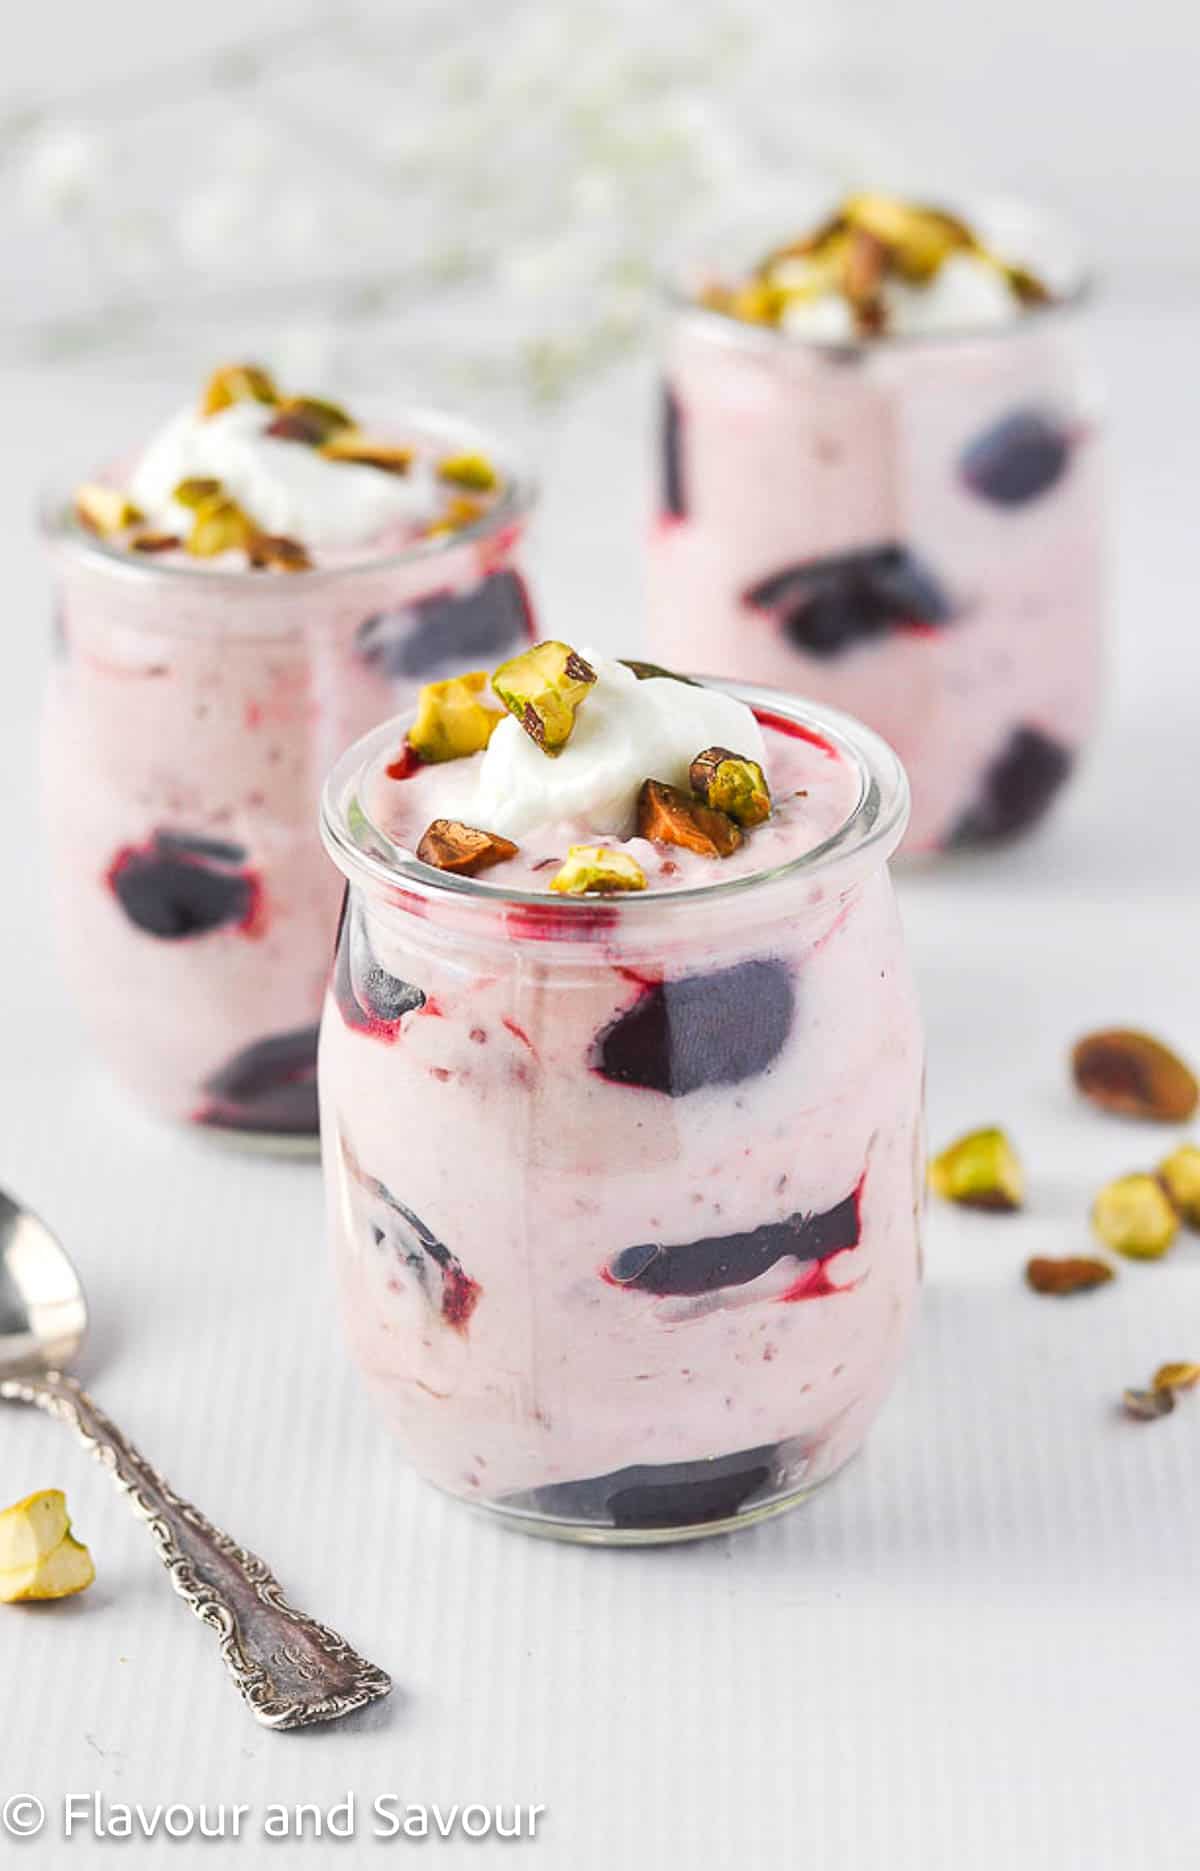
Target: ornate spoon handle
column 291, row 1670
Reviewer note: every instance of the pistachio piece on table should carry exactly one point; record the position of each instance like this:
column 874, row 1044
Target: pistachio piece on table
column 1146, row 1405
column 598, row 869
column 275, row 552
column 452, row 719
column 237, row 383
column 219, row 526
column 1178, row 1376
column 1134, row 1075
column 543, row 688
column 864, row 269
column 366, row 451
column 1179, row 1175
column 732, row 784
column 104, row 510
column 1133, row 1215
column 39, row 1556
column 981, row 1170
column 666, row 815
column 1075, row 1273
column 309, row 420
column 474, row 472
column 451, row 846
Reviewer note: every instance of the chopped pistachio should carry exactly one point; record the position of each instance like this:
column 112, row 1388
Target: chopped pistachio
column 365, row 451
column 275, row 552
column 1134, row 1216
column 451, row 846
column 195, row 491
column 918, row 239
column 474, row 472
column 1146, row 1405
column 1134, row 1075
column 452, row 719
column 219, row 526
column 1072, row 1274
column 981, row 1170
column 597, row 869
column 732, row 784
column 1179, row 1175
column 1178, row 1376
column 758, row 302
column 151, row 542
column 237, row 383
column 666, row 815
column 458, row 513
column 308, row 419
column 543, row 688
column 646, row 672
column 104, row 510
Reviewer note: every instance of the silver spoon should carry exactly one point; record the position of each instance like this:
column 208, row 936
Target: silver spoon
column 291, row 1670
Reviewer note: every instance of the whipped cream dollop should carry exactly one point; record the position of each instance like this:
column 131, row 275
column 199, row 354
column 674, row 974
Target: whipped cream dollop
column 965, row 295
column 284, row 486
column 626, row 731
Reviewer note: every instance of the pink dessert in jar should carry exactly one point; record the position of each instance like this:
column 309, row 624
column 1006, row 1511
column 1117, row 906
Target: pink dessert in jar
column 880, row 487
column 264, row 581
column 620, row 1079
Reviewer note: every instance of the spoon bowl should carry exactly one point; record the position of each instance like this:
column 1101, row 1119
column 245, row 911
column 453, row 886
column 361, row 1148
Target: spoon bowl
column 43, row 1312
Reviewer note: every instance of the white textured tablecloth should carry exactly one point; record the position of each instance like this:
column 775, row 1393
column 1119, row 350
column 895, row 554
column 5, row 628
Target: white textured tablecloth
column 978, row 1649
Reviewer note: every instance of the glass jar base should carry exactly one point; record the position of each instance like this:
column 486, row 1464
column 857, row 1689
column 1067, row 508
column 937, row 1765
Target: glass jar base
column 595, row 1533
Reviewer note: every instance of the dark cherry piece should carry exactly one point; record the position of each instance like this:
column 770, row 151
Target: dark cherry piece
column 735, row 1259
column 1017, row 790
column 177, row 885
column 443, row 1281
column 660, row 1495
column 370, row 999
column 674, row 492
column 825, row 605
column 706, row 1029
column 269, row 1087
column 1019, row 458
column 479, row 626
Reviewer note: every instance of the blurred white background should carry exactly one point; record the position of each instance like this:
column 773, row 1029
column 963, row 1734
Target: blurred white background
column 313, row 179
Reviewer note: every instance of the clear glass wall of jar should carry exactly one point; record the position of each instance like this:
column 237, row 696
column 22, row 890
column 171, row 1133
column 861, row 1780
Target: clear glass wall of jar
column 911, row 529
column 625, row 1194
column 192, row 715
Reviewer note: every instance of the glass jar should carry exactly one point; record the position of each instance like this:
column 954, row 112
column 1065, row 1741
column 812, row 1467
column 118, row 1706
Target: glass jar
column 625, row 1193
column 192, row 715
column 909, row 528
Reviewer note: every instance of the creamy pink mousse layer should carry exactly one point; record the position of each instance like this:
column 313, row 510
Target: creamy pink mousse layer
column 485, row 1119
column 213, row 708
column 789, row 453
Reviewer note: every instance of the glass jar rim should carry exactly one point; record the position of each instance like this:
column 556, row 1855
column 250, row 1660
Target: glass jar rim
column 1076, row 290
column 62, row 531
column 865, row 839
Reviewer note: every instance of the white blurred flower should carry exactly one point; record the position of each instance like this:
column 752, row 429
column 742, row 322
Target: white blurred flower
column 62, row 169
column 213, row 220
